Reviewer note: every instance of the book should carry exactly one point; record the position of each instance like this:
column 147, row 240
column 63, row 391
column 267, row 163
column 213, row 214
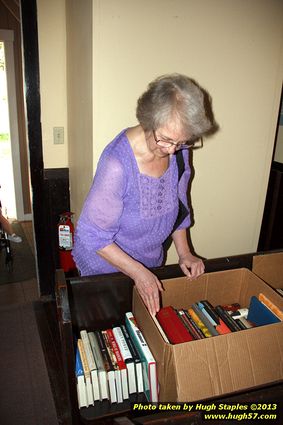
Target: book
column 245, row 322
column 127, row 357
column 108, row 367
column 91, row 364
column 136, row 357
column 117, row 372
column 173, row 326
column 202, row 314
column 268, row 303
column 216, row 321
column 120, row 362
column 159, row 327
column 259, row 314
column 225, row 316
column 189, row 325
column 148, row 361
column 81, row 386
column 102, row 374
column 199, row 323
column 89, row 390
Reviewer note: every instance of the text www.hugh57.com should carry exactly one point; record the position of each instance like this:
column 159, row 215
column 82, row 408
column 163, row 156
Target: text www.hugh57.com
column 240, row 416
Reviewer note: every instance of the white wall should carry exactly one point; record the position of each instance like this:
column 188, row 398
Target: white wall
column 234, row 49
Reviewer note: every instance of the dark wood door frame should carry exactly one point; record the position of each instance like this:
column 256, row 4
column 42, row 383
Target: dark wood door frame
column 46, row 276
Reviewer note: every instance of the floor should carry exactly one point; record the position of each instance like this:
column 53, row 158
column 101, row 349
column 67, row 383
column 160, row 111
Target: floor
column 19, row 292
column 30, row 345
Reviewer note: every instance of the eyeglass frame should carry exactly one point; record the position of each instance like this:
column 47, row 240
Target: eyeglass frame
column 185, row 145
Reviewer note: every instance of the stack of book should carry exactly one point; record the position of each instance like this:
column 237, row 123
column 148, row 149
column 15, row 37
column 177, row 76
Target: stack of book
column 202, row 320
column 114, row 363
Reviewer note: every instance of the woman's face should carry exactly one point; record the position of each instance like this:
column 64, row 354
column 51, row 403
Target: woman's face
column 166, row 139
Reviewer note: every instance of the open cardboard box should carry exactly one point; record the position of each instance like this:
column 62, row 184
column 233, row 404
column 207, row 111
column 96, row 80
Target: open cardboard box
column 223, row 364
column 269, row 267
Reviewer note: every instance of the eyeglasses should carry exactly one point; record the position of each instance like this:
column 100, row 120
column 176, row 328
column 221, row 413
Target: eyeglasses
column 194, row 144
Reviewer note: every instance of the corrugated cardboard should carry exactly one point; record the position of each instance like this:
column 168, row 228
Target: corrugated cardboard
column 222, row 364
column 269, row 267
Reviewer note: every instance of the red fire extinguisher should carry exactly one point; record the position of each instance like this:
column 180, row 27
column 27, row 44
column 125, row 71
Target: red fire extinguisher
column 66, row 240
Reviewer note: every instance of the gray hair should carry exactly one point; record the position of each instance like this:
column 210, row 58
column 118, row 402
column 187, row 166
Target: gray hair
column 174, row 96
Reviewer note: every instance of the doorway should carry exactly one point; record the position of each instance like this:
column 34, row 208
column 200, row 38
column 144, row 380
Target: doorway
column 10, row 171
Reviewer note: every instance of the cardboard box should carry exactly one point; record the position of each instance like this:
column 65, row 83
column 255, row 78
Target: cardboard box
column 269, row 267
column 223, row 364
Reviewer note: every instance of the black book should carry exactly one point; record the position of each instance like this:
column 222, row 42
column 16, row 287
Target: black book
column 225, row 316
column 136, row 358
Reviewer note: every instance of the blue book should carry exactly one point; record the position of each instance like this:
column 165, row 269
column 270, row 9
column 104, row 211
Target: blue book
column 259, row 314
column 81, row 386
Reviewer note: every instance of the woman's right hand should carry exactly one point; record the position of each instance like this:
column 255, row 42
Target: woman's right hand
column 148, row 286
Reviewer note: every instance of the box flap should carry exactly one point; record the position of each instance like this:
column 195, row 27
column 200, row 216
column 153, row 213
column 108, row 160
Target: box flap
column 269, row 267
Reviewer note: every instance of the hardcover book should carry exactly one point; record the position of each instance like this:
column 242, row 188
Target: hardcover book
column 225, row 316
column 148, row 361
column 199, row 323
column 91, row 364
column 137, row 360
column 201, row 313
column 259, row 314
column 211, row 314
column 120, row 362
column 81, row 386
column 108, row 367
column 127, row 357
column 266, row 301
column 118, row 380
column 102, row 374
column 89, row 390
column 173, row 326
column 187, row 322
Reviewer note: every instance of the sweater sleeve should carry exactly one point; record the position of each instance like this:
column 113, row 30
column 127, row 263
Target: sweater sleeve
column 183, row 189
column 100, row 218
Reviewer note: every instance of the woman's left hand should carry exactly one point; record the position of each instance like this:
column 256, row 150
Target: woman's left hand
column 191, row 266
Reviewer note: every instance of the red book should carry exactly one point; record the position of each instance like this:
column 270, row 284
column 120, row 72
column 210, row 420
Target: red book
column 173, row 326
column 120, row 362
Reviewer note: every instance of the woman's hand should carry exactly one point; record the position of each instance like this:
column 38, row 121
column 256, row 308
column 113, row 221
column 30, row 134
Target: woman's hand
column 148, row 287
column 191, row 266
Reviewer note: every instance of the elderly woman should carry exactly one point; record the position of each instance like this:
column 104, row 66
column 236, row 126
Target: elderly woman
column 133, row 202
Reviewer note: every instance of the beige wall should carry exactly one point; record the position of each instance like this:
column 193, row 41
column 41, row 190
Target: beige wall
column 79, row 76
column 53, row 84
column 233, row 48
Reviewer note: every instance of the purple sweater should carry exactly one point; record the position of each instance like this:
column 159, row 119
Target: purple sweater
column 135, row 211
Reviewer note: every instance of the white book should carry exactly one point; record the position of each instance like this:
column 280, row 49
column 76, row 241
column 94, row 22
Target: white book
column 102, row 374
column 89, row 391
column 148, row 361
column 91, row 364
column 81, row 385
column 127, row 357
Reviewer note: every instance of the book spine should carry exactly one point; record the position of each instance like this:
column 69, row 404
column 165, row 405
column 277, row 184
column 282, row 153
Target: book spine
column 102, row 374
column 136, row 358
column 81, row 385
column 266, row 301
column 173, row 326
column 89, row 390
column 188, row 324
column 194, row 325
column 120, row 362
column 133, row 327
column 108, row 366
column 201, row 314
column 225, row 316
column 122, row 343
column 115, row 366
column 199, row 323
column 88, row 351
